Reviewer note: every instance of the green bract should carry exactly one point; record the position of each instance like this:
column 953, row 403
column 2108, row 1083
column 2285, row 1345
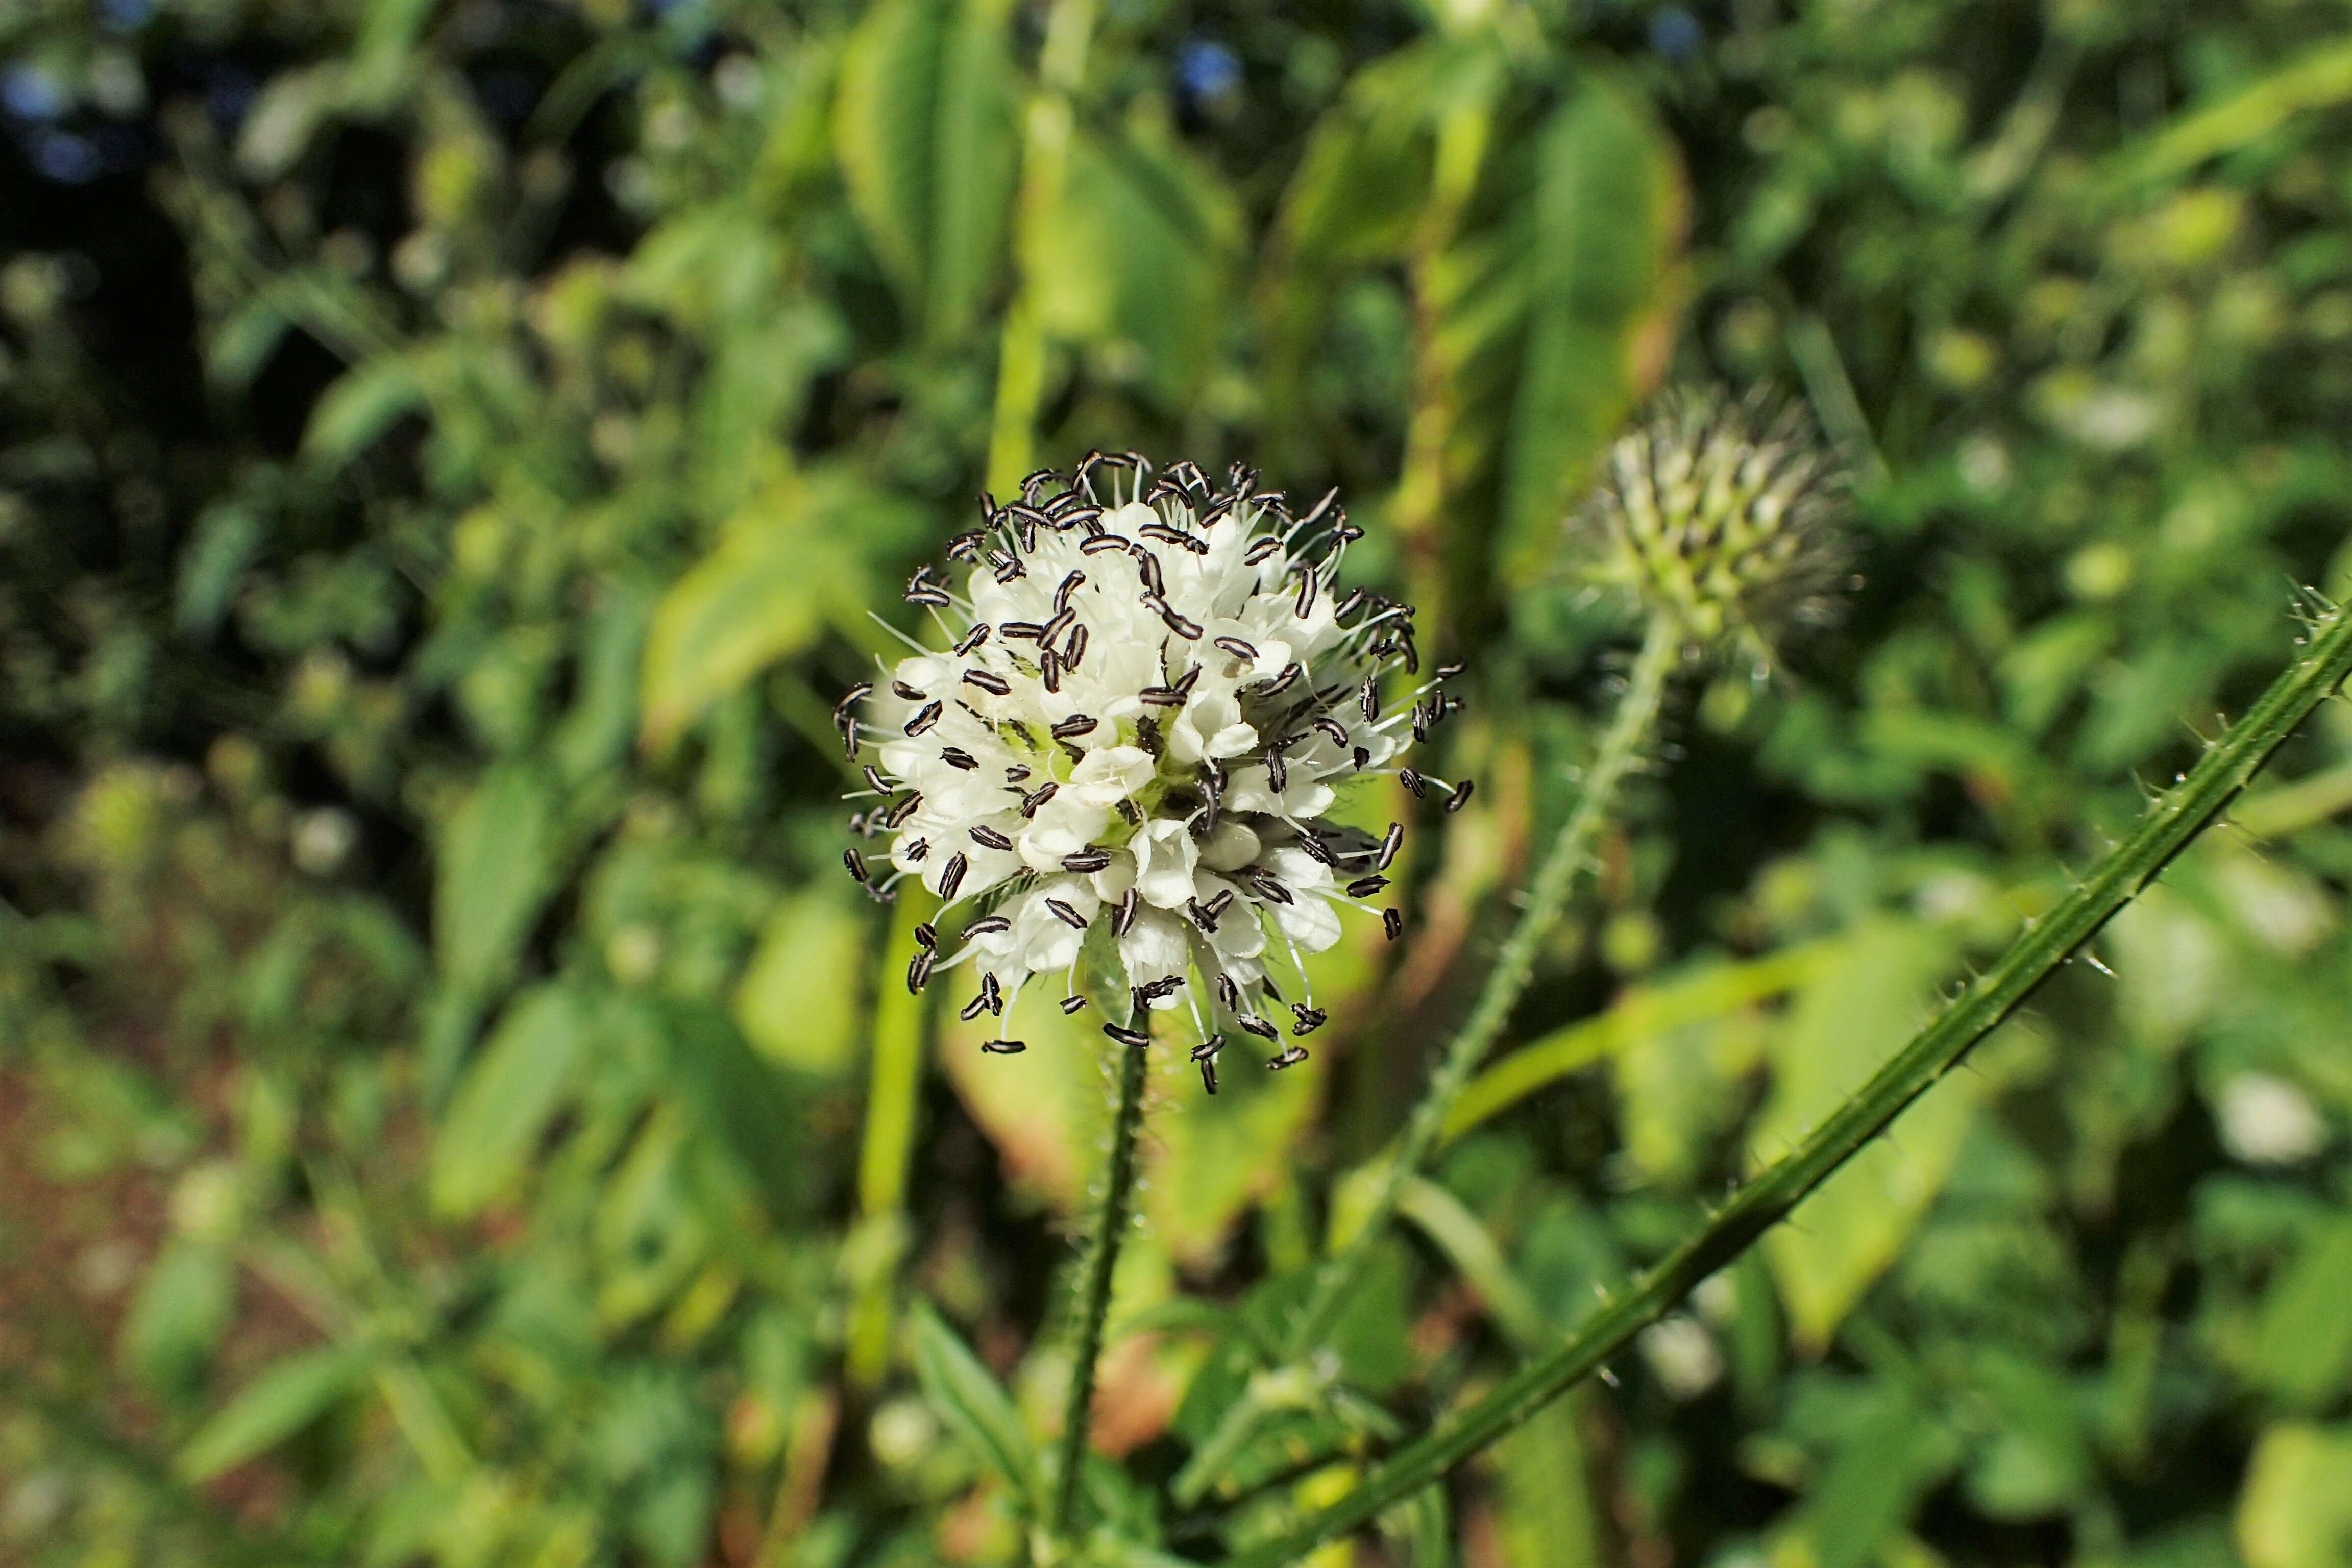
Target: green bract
column 1721, row 514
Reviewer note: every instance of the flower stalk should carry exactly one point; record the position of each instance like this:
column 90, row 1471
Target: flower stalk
column 1111, row 1225
column 2173, row 821
column 1622, row 745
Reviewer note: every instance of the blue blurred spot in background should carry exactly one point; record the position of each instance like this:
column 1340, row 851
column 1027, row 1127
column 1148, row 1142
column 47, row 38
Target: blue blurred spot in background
column 1674, row 33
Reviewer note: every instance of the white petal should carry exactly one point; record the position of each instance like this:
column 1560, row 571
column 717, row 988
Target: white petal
column 1247, row 789
column 1297, row 871
column 1238, row 934
column 924, row 671
column 1307, row 797
column 1043, row 845
column 1165, row 857
column 1047, row 941
column 1232, row 847
column 1153, row 948
column 1111, row 774
column 1113, row 881
column 1311, row 922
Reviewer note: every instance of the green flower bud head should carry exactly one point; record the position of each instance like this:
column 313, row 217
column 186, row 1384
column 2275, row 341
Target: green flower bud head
column 1725, row 515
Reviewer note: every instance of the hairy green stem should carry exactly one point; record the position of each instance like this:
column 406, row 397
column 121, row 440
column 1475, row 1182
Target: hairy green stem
column 1094, row 1285
column 892, row 1105
column 2176, row 818
column 1621, row 747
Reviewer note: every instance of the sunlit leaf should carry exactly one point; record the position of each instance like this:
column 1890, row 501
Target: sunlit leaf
column 497, row 864
column 510, row 1092
column 924, row 125
column 1544, row 1505
column 813, row 1027
column 2303, row 1339
column 283, row 1399
column 781, row 571
column 2295, row 1510
column 1141, row 255
column 1842, row 1024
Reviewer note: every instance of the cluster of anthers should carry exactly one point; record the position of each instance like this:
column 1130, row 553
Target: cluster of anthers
column 1150, row 693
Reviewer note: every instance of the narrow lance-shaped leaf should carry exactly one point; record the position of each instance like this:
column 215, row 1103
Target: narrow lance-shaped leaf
column 1608, row 220
column 968, row 1398
column 497, row 864
column 285, row 1398
column 509, row 1094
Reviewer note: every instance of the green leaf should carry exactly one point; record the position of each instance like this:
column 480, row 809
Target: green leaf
column 1544, row 1507
column 2037, row 1462
column 1890, row 1458
column 242, row 343
column 284, row 116
column 1361, row 192
column 280, row 1402
column 363, row 405
column 228, row 536
column 969, row 1399
column 508, row 1097
column 1048, row 1111
column 709, row 267
column 380, row 56
column 779, row 573
column 497, row 862
column 1363, row 180
column 744, row 1105
column 1212, row 1159
column 1844, row 1236
column 1142, row 257
column 814, row 1027
column 752, row 396
column 2312, row 80
column 1602, row 295
column 924, row 126
column 595, row 732
column 2302, row 1338
column 2295, row 1509
column 177, row 1319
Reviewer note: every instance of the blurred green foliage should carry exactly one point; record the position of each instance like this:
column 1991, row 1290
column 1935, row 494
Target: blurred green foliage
column 453, row 1109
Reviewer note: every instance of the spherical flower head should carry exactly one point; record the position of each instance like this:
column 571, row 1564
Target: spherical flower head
column 1724, row 515
column 1142, row 698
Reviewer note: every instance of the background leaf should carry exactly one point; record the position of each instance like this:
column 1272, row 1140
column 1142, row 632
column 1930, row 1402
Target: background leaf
column 1841, row 1027
column 1608, row 221
column 499, row 863
column 282, row 1400
column 974, row 1405
column 510, row 1092
column 924, row 123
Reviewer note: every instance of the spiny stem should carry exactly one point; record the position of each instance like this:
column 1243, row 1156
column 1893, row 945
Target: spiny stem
column 892, row 1107
column 1094, row 1286
column 2175, row 819
column 1621, row 746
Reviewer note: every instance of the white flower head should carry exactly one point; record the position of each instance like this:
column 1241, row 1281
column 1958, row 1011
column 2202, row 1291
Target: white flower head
column 1149, row 692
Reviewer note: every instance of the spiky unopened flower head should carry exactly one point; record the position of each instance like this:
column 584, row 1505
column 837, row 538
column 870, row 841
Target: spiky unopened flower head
column 1145, row 695
column 1723, row 514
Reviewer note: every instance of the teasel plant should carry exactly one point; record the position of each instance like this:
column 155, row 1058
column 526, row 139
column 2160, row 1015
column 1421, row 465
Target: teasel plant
column 1111, row 769
column 1718, row 523
column 1717, row 528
